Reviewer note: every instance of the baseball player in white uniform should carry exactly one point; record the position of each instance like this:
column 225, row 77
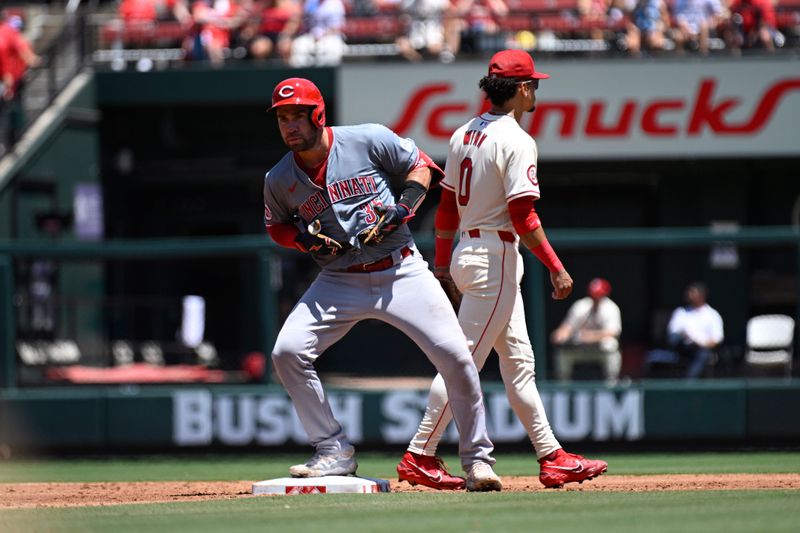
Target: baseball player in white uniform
column 488, row 196
column 330, row 197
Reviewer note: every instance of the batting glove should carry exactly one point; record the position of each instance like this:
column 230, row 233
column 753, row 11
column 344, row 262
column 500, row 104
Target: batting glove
column 390, row 219
column 307, row 243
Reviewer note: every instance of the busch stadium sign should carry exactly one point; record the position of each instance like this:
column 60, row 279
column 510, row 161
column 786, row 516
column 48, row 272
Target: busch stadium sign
column 201, row 418
column 598, row 109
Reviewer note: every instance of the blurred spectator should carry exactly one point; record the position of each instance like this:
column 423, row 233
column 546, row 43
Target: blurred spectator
column 425, row 28
column 590, row 333
column 321, row 41
column 693, row 332
column 472, row 26
column 274, row 29
column 648, row 23
column 144, row 16
column 138, row 11
column 595, row 13
column 619, row 10
column 694, row 21
column 16, row 56
column 213, row 22
column 752, row 24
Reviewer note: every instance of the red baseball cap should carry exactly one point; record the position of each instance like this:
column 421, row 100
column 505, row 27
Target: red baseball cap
column 599, row 287
column 516, row 64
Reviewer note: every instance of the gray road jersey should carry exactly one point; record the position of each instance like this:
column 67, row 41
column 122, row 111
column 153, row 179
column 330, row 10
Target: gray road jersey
column 362, row 163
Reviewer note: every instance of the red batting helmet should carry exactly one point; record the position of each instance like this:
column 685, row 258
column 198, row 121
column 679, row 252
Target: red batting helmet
column 300, row 91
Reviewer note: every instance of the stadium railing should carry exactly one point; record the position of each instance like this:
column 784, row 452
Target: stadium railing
column 263, row 249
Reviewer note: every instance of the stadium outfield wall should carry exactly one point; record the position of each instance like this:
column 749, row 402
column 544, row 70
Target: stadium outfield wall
column 197, row 417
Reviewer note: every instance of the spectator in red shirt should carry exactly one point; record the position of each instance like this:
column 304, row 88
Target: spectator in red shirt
column 277, row 25
column 752, row 25
column 134, row 11
column 16, row 56
column 213, row 23
column 21, row 55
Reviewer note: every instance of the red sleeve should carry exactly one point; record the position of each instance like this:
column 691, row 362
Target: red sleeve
column 525, row 220
column 283, row 234
column 437, row 174
column 547, row 256
column 523, row 214
column 768, row 12
column 447, row 219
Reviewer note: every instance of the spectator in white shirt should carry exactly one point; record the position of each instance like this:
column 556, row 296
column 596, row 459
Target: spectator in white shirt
column 590, row 333
column 695, row 330
column 695, row 20
column 321, row 42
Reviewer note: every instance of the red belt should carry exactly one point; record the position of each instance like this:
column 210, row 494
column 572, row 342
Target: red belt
column 380, row 264
column 506, row 236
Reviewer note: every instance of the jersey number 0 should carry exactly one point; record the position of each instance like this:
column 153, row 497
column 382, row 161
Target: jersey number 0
column 464, row 180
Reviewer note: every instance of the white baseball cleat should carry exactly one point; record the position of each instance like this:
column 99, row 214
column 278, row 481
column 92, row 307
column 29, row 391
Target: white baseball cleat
column 327, row 463
column 481, row 478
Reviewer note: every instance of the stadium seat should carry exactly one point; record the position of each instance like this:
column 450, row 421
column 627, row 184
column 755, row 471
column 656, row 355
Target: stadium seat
column 769, row 344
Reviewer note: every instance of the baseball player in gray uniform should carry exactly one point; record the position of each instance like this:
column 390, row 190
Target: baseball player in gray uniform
column 330, row 197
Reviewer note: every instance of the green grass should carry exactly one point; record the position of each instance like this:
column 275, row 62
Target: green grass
column 558, row 511
column 267, row 466
column 732, row 511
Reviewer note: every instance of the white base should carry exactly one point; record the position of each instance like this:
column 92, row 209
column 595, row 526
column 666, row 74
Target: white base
column 316, row 485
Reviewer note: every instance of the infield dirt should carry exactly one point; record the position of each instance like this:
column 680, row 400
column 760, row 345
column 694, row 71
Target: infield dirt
column 32, row 495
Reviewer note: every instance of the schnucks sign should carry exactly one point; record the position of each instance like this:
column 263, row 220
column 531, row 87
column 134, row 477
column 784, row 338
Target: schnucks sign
column 597, row 109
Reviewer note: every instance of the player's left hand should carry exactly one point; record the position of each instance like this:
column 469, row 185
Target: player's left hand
column 562, row 284
column 391, row 218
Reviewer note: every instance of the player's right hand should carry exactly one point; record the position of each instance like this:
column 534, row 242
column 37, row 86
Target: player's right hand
column 391, row 218
column 308, row 243
column 449, row 286
column 562, row 284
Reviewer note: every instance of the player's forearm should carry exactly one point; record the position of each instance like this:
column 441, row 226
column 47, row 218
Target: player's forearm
column 283, row 234
column 446, row 224
column 416, row 186
column 537, row 242
column 529, row 228
column 421, row 175
column 534, row 238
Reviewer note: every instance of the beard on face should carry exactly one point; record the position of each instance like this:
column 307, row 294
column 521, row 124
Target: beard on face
column 301, row 143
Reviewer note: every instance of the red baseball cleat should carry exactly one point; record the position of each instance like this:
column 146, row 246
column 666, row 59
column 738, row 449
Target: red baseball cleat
column 429, row 471
column 568, row 468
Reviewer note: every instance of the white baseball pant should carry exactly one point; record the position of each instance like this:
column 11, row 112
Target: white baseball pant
column 488, row 271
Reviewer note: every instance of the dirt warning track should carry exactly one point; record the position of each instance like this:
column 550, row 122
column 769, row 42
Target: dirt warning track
column 43, row 495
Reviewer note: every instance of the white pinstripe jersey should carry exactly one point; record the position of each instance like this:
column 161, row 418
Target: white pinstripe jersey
column 491, row 160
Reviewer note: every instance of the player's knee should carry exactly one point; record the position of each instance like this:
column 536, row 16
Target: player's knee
column 458, row 363
column 287, row 353
column 281, row 359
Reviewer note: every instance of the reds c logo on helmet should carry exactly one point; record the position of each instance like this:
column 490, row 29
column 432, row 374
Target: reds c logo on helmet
column 300, row 91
